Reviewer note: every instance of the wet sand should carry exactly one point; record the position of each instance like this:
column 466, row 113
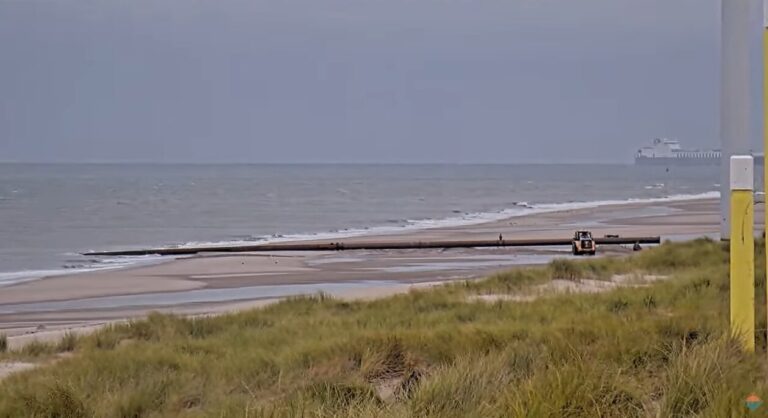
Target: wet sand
column 222, row 283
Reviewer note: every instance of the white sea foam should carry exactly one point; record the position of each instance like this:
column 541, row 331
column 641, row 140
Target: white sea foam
column 520, row 209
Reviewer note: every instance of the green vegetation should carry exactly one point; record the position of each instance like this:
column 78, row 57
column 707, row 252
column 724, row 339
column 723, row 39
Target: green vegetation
column 659, row 350
column 68, row 343
column 37, row 351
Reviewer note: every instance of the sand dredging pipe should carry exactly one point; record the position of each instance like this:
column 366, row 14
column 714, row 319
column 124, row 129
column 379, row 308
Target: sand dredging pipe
column 372, row 245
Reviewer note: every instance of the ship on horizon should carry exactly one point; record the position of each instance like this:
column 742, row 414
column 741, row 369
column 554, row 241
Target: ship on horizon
column 668, row 152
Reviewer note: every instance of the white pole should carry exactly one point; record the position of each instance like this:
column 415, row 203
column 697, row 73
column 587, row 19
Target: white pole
column 734, row 96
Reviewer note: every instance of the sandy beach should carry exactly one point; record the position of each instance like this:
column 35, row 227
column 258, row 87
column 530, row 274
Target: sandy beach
column 221, row 283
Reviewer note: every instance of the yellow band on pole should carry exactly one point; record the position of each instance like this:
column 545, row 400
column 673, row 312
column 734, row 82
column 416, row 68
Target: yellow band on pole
column 742, row 268
column 743, row 251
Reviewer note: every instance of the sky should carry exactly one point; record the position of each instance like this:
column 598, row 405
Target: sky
column 355, row 81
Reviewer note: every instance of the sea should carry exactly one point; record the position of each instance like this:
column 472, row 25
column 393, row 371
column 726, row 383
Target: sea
column 51, row 213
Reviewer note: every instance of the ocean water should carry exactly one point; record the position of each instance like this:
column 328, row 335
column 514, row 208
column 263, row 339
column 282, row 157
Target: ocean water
column 51, row 213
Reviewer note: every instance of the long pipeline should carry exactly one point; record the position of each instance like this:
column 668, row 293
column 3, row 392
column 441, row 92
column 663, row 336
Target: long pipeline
column 372, row 245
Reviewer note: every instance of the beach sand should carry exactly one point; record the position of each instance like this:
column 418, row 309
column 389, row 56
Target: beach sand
column 213, row 284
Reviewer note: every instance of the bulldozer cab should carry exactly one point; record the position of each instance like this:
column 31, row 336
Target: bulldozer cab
column 582, row 235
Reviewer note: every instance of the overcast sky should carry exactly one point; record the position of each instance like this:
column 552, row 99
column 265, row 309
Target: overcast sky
column 355, row 80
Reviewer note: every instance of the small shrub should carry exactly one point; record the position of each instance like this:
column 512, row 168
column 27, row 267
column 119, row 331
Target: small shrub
column 695, row 377
column 202, row 327
column 151, row 395
column 386, row 360
column 507, row 281
column 672, row 257
column 37, row 348
column 57, row 400
column 3, row 343
column 649, row 302
column 565, row 269
column 67, row 343
column 618, row 305
column 574, row 390
column 106, row 340
column 334, row 395
column 457, row 390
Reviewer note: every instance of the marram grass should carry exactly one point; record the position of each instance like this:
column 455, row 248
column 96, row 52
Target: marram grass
column 656, row 351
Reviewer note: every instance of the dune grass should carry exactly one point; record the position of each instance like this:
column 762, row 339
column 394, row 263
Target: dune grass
column 661, row 350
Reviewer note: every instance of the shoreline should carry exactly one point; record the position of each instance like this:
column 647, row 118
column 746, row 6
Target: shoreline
column 412, row 226
column 345, row 270
column 160, row 261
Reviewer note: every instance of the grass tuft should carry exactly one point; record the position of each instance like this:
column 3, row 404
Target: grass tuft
column 67, row 343
column 38, row 348
column 57, row 400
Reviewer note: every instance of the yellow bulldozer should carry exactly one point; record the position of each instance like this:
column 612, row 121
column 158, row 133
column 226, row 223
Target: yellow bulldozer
column 583, row 243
